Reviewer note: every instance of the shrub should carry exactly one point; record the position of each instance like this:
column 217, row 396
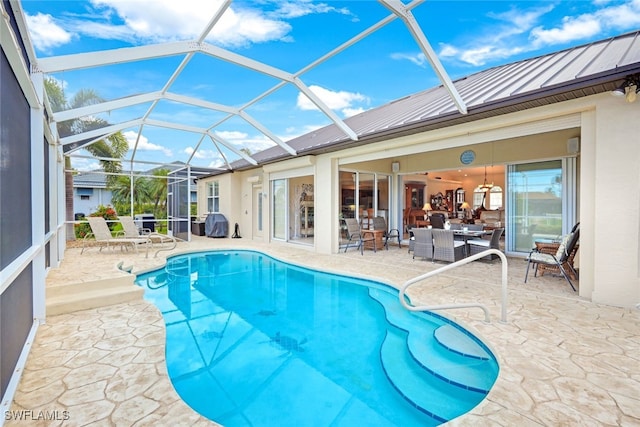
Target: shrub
column 107, row 212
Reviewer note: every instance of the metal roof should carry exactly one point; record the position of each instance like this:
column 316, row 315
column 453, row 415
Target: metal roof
column 572, row 73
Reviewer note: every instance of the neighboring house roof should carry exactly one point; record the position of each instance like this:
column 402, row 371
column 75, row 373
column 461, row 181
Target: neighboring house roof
column 560, row 76
column 98, row 179
column 90, row 180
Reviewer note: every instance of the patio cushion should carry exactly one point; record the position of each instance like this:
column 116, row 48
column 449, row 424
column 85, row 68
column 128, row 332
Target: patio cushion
column 479, row 242
column 542, row 257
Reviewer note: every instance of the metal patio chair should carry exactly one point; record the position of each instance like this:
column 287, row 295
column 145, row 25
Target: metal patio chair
column 558, row 260
column 380, row 223
column 356, row 235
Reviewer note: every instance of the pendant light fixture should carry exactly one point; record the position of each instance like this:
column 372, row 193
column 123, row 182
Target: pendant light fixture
column 485, row 185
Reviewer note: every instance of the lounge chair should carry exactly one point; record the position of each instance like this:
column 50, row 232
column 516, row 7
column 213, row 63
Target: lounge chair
column 102, row 235
column 445, row 248
column 131, row 230
column 423, row 243
column 379, row 223
column 559, row 260
column 476, row 246
column 356, row 234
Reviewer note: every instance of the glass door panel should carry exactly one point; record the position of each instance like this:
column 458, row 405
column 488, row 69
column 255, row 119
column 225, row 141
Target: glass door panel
column 347, row 201
column 279, row 191
column 535, row 192
column 383, row 196
column 366, row 198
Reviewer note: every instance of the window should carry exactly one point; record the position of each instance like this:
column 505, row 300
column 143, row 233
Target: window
column 82, row 197
column 495, row 197
column 213, row 196
column 478, row 198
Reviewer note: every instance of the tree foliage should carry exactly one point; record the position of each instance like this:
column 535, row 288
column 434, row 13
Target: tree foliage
column 112, row 147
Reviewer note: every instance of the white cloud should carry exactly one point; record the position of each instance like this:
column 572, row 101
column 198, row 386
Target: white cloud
column 240, row 140
column 499, row 41
column 483, row 54
column 232, row 135
column 85, row 165
column 519, row 30
column 618, row 17
column 348, row 112
column 45, row 33
column 573, row 28
column 144, row 144
column 289, row 9
column 419, row 59
column 157, row 21
column 294, row 132
column 341, row 100
column 170, row 20
column 202, row 154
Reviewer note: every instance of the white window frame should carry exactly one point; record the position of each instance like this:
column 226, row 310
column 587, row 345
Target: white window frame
column 495, row 198
column 213, row 196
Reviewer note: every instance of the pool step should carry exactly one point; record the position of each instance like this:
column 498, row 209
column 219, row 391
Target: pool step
column 461, row 361
column 431, row 395
column 72, row 297
column 453, row 356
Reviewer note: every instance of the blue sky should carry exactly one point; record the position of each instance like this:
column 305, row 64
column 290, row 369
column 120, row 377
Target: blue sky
column 468, row 36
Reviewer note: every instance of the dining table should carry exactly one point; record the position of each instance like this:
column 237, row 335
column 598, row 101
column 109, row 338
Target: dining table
column 470, row 234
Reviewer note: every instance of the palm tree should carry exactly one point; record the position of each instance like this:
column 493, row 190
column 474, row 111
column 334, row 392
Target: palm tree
column 114, row 146
column 158, row 188
column 121, row 193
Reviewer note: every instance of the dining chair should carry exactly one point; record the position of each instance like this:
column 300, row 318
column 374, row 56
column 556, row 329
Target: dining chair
column 446, row 248
column 437, row 221
column 423, row 243
column 475, row 246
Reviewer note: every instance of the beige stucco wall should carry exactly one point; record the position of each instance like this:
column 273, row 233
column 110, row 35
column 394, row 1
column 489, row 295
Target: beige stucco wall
column 609, row 179
column 615, row 171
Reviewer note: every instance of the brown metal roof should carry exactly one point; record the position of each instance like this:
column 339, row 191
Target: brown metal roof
column 560, row 76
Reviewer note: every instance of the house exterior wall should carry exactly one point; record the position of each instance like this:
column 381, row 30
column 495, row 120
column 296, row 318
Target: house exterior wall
column 615, row 226
column 608, row 171
column 230, row 199
column 99, row 197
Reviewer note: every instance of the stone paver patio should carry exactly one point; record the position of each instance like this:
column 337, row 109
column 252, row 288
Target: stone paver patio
column 564, row 360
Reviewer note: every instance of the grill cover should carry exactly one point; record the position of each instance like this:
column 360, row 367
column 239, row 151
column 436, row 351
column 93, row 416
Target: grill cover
column 216, row 225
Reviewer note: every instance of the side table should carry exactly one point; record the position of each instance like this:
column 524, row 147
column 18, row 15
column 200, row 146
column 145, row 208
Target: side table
column 376, row 243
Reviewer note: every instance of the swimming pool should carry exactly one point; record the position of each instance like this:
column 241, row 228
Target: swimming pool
column 255, row 341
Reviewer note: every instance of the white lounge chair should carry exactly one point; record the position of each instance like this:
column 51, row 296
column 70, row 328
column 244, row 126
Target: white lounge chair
column 103, row 238
column 131, row 231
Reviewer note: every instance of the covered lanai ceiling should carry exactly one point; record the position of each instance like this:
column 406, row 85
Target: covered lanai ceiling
column 186, row 103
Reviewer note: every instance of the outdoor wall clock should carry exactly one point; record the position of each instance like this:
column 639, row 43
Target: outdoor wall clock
column 467, row 157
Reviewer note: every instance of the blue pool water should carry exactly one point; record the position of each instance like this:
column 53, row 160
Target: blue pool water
column 253, row 341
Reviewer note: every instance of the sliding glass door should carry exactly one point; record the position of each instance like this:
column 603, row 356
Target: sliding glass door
column 279, row 190
column 541, row 202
